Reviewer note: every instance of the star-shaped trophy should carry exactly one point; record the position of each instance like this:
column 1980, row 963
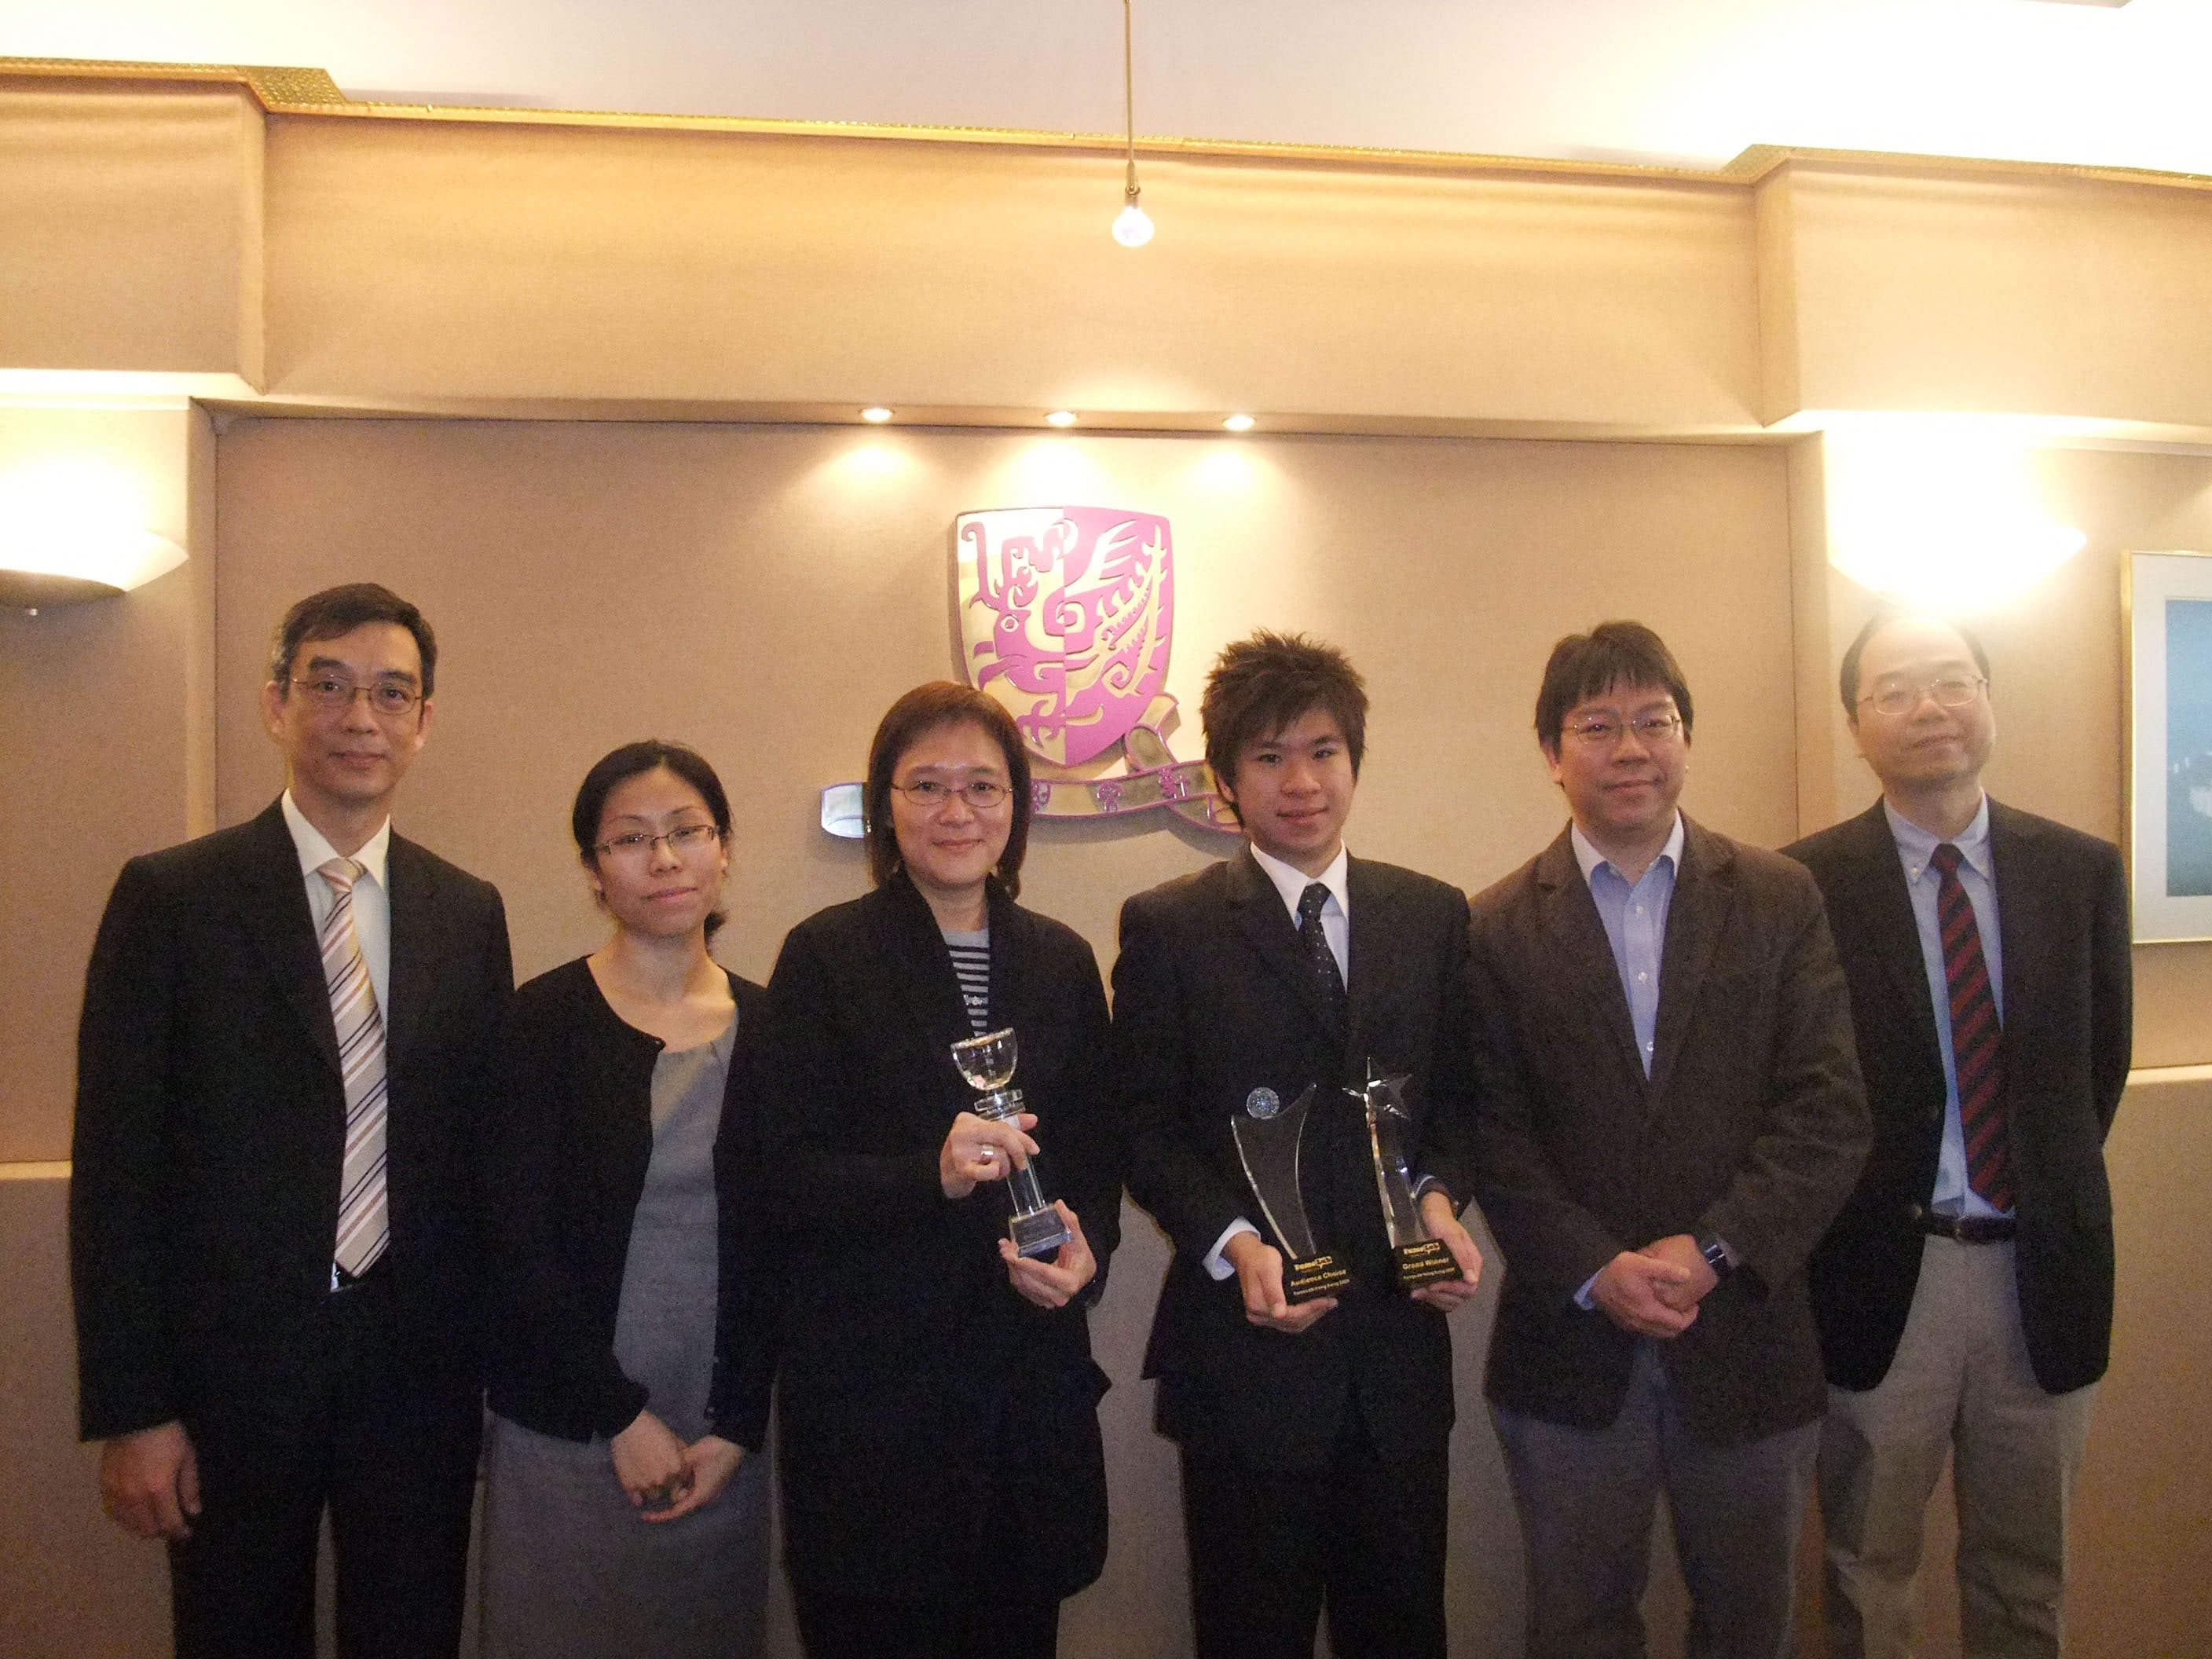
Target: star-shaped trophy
column 1420, row 1257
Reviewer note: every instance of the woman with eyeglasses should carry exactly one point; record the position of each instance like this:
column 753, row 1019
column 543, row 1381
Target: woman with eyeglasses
column 632, row 1318
column 943, row 1484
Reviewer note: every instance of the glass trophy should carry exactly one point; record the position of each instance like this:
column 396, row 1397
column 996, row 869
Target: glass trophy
column 1267, row 1135
column 1418, row 1258
column 988, row 1062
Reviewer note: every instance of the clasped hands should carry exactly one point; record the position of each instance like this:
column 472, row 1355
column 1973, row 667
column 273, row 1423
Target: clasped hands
column 1655, row 1291
column 665, row 1479
column 1259, row 1272
column 980, row 1149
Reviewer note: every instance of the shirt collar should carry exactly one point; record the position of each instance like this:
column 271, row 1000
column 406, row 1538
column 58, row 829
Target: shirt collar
column 1918, row 846
column 1291, row 882
column 315, row 851
column 1592, row 860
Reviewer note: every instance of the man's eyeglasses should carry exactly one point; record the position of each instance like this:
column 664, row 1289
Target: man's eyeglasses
column 1601, row 731
column 1951, row 691
column 932, row 796
column 637, row 845
column 385, row 698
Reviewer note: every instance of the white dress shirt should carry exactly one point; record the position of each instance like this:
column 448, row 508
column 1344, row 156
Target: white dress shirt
column 372, row 894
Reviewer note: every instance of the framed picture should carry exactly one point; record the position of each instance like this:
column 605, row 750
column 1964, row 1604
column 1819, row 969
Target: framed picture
column 2166, row 604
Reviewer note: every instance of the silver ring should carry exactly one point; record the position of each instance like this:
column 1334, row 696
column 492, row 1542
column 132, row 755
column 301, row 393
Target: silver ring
column 985, row 1155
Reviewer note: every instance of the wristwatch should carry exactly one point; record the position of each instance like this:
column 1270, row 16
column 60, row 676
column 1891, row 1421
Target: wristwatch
column 1716, row 1255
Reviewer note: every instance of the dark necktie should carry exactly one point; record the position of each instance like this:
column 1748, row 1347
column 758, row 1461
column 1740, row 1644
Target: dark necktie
column 1319, row 957
column 1977, row 1051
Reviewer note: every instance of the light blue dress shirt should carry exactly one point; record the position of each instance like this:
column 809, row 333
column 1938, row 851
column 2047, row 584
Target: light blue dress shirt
column 1635, row 918
column 1978, row 874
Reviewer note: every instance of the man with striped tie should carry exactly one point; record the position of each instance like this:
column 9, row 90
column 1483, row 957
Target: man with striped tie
column 286, row 1033
column 1965, row 1295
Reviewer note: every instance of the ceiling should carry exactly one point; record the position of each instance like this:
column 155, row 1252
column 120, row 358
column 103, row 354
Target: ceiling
column 1680, row 82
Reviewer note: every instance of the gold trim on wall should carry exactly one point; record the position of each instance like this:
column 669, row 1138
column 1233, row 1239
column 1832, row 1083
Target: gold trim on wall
column 292, row 91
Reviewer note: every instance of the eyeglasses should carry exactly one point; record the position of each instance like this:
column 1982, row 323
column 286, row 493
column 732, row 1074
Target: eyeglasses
column 1602, row 732
column 1951, row 691
column 931, row 796
column 637, row 845
column 387, row 697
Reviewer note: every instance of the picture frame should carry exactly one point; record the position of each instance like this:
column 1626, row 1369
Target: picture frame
column 2166, row 608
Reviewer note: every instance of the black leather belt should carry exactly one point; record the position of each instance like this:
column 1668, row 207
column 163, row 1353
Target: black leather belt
column 1965, row 1229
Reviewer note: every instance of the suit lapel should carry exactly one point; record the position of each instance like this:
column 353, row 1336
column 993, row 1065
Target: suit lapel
column 2022, row 903
column 415, row 948
column 1880, row 906
column 912, row 945
column 1374, row 929
column 1577, row 938
column 272, row 898
column 1267, row 927
column 1705, row 893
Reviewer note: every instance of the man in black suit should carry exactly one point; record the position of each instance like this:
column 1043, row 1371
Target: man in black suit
column 273, row 1210
column 1314, row 1435
column 1671, row 1113
column 1965, row 1295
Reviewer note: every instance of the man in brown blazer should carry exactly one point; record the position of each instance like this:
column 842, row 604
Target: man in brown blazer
column 1671, row 1114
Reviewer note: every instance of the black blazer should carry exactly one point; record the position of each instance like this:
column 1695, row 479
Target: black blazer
column 1213, row 997
column 570, row 1152
column 906, row 1350
column 210, row 1129
column 2062, row 917
column 1752, row 1125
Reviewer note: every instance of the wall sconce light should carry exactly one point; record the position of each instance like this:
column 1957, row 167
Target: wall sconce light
column 68, row 533
column 1133, row 226
column 1239, row 423
column 1060, row 417
column 1939, row 511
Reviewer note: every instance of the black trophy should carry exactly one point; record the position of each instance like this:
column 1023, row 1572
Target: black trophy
column 1267, row 1135
column 1419, row 1257
column 988, row 1062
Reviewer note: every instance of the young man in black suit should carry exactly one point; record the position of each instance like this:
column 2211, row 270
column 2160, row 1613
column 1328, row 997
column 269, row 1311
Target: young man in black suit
column 1314, row 1435
column 273, row 1213
column 1965, row 1295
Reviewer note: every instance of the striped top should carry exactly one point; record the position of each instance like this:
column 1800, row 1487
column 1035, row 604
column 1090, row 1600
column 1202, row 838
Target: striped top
column 971, row 964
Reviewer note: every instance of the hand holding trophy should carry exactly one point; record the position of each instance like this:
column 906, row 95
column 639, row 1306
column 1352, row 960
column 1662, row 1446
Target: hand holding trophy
column 1268, row 1134
column 1420, row 1257
column 988, row 1062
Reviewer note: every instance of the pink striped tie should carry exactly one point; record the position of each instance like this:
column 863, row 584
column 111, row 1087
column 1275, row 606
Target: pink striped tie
column 364, row 1227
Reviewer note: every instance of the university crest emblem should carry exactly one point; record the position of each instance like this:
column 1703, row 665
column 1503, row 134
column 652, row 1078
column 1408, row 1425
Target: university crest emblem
column 1065, row 615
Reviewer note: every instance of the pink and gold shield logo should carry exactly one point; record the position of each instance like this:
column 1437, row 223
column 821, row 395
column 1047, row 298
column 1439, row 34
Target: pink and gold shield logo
column 1064, row 617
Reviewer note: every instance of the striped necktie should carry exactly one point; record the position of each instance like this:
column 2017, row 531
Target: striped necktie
column 1976, row 1038
column 364, row 1226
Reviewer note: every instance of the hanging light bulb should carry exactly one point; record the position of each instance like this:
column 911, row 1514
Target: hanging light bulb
column 1133, row 226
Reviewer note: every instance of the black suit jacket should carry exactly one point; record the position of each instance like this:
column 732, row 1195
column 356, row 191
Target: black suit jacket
column 1752, row 1126
column 570, row 1153
column 210, row 1129
column 916, row 1386
column 2063, row 915
column 1214, row 997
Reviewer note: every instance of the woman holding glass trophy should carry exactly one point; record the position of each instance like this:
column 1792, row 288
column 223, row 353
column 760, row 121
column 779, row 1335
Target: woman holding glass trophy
column 633, row 1319
column 948, row 1188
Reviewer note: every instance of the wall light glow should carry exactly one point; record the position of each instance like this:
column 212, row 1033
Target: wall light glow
column 1939, row 511
column 1060, row 417
column 1239, row 423
column 66, row 522
column 876, row 414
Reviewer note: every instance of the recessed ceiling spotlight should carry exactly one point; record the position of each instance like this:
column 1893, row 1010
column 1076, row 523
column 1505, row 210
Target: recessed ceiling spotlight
column 1239, row 423
column 1060, row 417
column 875, row 415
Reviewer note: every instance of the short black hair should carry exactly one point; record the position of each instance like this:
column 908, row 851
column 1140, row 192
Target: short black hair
column 932, row 704
column 337, row 611
column 1263, row 685
column 633, row 760
column 1847, row 679
column 1588, row 665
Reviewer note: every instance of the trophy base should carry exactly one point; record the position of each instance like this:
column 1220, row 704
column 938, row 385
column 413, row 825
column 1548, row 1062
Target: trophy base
column 1427, row 1261
column 1315, row 1276
column 1040, row 1233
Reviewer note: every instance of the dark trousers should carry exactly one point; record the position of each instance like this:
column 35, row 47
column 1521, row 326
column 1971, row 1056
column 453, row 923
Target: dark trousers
column 858, row 1627
column 1271, row 1550
column 1587, row 1497
column 397, row 1474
